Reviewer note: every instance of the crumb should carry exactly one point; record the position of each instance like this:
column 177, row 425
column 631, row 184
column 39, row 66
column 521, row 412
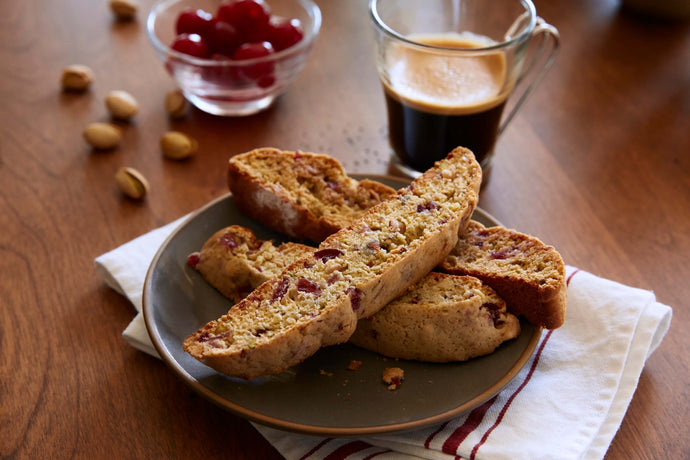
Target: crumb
column 393, row 376
column 354, row 365
column 322, row 372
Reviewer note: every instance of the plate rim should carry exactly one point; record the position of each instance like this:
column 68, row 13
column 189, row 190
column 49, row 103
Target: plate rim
column 302, row 428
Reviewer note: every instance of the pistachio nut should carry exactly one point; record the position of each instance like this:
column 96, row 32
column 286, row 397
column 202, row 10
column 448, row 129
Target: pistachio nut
column 121, row 105
column 131, row 182
column 176, row 104
column 178, row 146
column 124, row 9
column 102, row 136
column 76, row 77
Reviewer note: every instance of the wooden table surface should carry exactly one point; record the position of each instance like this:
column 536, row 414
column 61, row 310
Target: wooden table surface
column 596, row 164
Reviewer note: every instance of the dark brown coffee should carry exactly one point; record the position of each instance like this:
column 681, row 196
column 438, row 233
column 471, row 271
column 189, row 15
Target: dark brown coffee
column 420, row 138
column 437, row 102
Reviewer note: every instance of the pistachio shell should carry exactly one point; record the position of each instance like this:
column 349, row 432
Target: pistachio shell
column 131, row 182
column 124, row 9
column 121, row 105
column 176, row 104
column 178, row 146
column 76, row 77
column 102, row 136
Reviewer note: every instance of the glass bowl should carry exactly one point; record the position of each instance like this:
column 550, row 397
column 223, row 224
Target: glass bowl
column 230, row 87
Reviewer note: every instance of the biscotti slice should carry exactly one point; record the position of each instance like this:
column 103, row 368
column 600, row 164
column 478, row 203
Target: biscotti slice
column 303, row 195
column 528, row 274
column 317, row 300
column 442, row 318
column 235, row 262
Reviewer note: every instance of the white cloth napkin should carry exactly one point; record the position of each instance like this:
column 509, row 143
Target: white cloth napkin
column 566, row 403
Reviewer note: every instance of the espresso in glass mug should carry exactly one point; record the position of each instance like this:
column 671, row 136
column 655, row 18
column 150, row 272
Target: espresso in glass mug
column 447, row 77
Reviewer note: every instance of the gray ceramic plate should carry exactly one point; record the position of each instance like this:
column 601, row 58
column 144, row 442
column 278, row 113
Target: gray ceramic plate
column 319, row 396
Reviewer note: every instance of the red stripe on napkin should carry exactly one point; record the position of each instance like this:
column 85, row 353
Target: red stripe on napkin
column 376, row 454
column 512, row 397
column 346, row 450
column 522, row 385
column 433, row 435
column 450, row 446
column 316, row 447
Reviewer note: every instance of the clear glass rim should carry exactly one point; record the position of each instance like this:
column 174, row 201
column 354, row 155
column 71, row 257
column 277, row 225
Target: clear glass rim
column 527, row 31
column 310, row 35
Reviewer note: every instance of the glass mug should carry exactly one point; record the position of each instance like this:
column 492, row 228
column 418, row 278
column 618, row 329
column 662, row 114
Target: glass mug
column 448, row 67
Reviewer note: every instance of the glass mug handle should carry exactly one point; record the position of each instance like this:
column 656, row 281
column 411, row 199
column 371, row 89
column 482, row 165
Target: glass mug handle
column 549, row 44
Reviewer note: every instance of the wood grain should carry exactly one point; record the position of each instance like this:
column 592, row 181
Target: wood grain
column 597, row 164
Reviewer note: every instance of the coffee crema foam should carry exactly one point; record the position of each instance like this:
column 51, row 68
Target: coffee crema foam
column 447, row 84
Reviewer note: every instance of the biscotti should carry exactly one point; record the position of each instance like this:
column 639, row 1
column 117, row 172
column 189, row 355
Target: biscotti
column 235, row 262
column 442, row 318
column 317, row 300
column 303, row 195
column 528, row 274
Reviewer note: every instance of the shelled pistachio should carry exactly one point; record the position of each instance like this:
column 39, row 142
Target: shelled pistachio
column 131, row 182
column 102, row 136
column 76, row 77
column 176, row 104
column 178, row 146
column 121, row 104
column 124, row 9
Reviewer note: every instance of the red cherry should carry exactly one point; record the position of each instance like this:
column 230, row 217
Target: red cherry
column 224, row 38
column 191, row 21
column 283, row 33
column 255, row 50
column 191, row 44
column 266, row 81
column 219, row 74
column 250, row 17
